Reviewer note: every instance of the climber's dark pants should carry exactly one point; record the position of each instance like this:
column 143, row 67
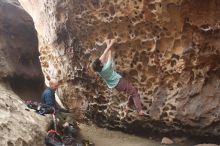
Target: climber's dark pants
column 134, row 97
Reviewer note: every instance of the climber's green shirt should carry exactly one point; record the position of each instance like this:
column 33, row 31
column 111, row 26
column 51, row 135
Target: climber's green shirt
column 110, row 76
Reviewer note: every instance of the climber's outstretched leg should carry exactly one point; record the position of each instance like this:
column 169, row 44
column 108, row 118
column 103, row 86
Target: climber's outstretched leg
column 134, row 97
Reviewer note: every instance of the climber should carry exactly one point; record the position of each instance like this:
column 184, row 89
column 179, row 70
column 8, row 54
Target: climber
column 104, row 67
column 48, row 98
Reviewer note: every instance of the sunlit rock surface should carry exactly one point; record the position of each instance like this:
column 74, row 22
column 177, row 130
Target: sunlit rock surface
column 169, row 49
column 18, row 126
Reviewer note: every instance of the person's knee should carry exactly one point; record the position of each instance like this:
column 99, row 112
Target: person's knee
column 134, row 91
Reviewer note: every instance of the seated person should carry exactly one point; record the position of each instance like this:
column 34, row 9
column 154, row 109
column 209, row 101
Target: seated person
column 48, row 98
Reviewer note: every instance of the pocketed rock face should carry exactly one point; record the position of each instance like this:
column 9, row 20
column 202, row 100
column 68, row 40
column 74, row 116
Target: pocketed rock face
column 168, row 49
column 20, row 74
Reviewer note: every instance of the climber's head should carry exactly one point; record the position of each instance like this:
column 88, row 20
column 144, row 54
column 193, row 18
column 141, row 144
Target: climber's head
column 97, row 65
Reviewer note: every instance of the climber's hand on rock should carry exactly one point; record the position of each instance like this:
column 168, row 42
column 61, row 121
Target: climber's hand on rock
column 109, row 42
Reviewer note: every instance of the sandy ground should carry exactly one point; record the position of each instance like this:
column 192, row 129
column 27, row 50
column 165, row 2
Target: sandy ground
column 104, row 137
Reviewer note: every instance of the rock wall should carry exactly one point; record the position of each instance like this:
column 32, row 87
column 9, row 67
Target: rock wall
column 18, row 126
column 168, row 49
column 19, row 51
column 21, row 77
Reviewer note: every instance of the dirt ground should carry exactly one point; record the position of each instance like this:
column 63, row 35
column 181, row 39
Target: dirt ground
column 104, row 137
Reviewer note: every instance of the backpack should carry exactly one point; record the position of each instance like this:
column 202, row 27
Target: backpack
column 70, row 131
column 53, row 139
column 45, row 109
column 69, row 136
column 69, row 141
column 32, row 104
column 41, row 109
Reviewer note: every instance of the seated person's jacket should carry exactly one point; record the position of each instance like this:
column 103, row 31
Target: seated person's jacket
column 48, row 98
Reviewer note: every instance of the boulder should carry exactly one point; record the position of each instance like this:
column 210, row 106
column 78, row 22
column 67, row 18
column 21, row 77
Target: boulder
column 21, row 78
column 18, row 126
column 169, row 50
